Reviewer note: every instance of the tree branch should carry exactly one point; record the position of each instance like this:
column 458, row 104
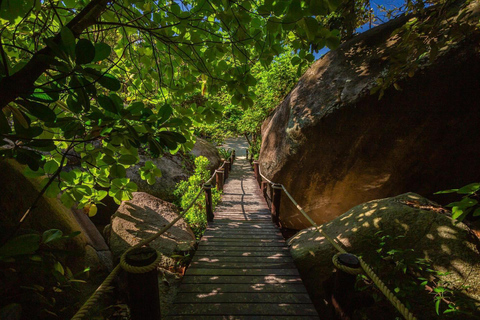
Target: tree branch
column 13, row 86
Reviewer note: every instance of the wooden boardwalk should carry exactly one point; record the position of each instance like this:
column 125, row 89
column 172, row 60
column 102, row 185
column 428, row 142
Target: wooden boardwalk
column 242, row 268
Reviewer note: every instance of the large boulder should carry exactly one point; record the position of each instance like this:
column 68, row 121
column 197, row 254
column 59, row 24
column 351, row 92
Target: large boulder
column 415, row 228
column 204, row 148
column 18, row 194
column 140, row 218
column 334, row 145
column 175, row 168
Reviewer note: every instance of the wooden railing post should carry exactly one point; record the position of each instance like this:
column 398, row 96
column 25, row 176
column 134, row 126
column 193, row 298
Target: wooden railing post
column 144, row 300
column 343, row 296
column 246, row 154
column 256, row 169
column 227, row 169
column 219, row 178
column 233, row 156
column 264, row 189
column 232, row 160
column 208, row 201
column 276, row 196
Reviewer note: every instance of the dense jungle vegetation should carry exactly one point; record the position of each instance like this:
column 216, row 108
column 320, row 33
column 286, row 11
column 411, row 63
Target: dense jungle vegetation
column 101, row 80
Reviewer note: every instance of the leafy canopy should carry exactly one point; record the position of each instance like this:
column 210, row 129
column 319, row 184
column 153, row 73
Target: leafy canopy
column 90, row 83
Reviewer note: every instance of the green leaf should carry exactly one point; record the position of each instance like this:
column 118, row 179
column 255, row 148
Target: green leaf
column 333, row 42
column 51, row 235
column 446, row 191
column 67, row 199
column 469, row 189
column 117, row 171
column 476, row 213
column 68, row 41
column 51, row 166
column 59, row 268
column 39, row 110
column 164, row 113
column 107, row 103
column 20, row 245
column 30, row 158
column 109, row 82
column 128, row 159
column 102, row 51
column 44, row 96
column 84, row 51
column 92, row 211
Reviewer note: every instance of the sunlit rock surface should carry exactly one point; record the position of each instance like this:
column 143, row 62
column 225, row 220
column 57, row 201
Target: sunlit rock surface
column 414, row 226
column 140, row 218
column 333, row 145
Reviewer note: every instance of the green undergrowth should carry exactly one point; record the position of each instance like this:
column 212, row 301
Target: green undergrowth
column 186, row 191
column 35, row 281
column 415, row 282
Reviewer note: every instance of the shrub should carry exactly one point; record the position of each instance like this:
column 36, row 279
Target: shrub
column 186, row 191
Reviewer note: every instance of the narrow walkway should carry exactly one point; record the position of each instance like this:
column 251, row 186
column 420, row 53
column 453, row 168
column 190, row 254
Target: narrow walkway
column 242, row 268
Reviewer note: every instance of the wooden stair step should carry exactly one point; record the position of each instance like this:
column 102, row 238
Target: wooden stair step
column 270, row 309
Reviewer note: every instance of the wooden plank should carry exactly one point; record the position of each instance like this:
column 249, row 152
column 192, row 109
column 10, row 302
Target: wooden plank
column 242, row 259
column 271, row 309
column 241, row 248
column 234, row 235
column 241, row 272
column 245, row 288
column 237, row 317
column 242, row 253
column 242, row 265
column 241, row 227
column 272, row 279
column 240, row 243
column 212, row 240
column 243, row 218
column 244, row 230
column 250, row 297
column 229, row 222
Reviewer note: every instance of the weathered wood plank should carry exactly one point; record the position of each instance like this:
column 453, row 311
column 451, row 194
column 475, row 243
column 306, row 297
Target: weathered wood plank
column 271, row 309
column 272, row 279
column 242, row 240
column 237, row 317
column 241, row 248
column 242, row 265
column 244, row 288
column 249, row 228
column 249, row 297
column 244, row 230
column 235, row 235
column 242, row 272
column 240, row 243
column 242, row 253
column 244, row 259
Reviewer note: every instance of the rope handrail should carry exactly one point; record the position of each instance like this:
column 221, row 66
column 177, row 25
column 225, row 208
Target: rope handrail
column 105, row 286
column 368, row 270
column 214, row 173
